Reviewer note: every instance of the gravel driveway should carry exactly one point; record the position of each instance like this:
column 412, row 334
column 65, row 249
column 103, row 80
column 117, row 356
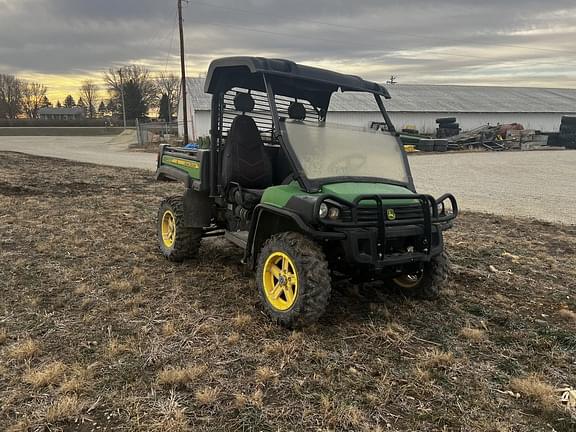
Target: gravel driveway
column 537, row 184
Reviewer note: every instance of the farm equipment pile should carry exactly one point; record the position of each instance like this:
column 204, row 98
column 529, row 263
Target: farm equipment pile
column 494, row 138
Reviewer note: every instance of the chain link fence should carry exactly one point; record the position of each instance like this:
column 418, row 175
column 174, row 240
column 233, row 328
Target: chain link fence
column 154, row 133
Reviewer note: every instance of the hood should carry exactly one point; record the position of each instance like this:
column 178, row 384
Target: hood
column 350, row 190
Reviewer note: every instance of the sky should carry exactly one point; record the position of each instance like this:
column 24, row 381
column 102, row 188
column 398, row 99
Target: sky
column 465, row 42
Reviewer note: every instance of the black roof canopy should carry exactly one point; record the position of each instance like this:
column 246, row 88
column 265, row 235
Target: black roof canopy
column 287, row 78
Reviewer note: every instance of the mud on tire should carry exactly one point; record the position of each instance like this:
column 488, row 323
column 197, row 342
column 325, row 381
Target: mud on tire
column 186, row 241
column 313, row 275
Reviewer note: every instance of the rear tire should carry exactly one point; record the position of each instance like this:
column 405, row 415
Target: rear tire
column 176, row 241
column 428, row 284
column 298, row 296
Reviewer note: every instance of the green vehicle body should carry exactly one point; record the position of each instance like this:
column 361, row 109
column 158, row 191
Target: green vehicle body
column 279, row 196
column 383, row 228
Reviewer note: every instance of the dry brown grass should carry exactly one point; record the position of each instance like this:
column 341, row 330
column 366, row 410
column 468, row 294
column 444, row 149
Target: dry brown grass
column 392, row 332
column 19, row 426
column 168, row 329
column 233, row 338
column 121, row 286
column 568, row 315
column 3, row 336
column 49, row 374
column 207, row 396
column 265, row 374
column 437, row 359
column 370, row 355
column 173, row 376
column 78, row 380
column 347, row 416
column 24, row 350
column 422, row 375
column 473, row 334
column 172, row 417
column 115, row 347
column 242, row 320
column 537, row 390
column 139, row 275
column 82, row 289
column 67, row 407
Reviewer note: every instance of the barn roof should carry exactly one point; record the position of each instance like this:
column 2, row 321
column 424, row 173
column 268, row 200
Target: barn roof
column 438, row 99
column 60, row 111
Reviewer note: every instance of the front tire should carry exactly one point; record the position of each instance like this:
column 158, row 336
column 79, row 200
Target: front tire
column 293, row 279
column 426, row 284
column 176, row 241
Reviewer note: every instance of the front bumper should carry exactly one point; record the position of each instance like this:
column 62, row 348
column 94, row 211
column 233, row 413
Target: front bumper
column 399, row 246
column 380, row 243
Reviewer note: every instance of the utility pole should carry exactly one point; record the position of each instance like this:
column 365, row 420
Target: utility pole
column 123, row 100
column 183, row 73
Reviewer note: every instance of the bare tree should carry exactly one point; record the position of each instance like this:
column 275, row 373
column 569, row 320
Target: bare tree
column 33, row 95
column 89, row 93
column 169, row 85
column 130, row 78
column 10, row 96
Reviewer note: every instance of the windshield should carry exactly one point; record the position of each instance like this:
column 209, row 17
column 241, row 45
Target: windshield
column 327, row 150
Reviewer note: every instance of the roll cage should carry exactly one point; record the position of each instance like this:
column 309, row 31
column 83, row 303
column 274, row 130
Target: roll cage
column 274, row 84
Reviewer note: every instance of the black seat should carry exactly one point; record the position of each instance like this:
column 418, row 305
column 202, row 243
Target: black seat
column 244, row 160
column 297, row 111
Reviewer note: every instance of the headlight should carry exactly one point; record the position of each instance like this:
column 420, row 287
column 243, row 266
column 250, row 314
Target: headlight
column 333, row 213
column 441, row 208
column 323, row 211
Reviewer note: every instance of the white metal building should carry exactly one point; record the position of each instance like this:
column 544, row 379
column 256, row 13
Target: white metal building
column 420, row 105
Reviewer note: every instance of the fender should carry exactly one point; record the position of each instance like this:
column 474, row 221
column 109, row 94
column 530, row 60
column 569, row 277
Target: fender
column 168, row 173
column 268, row 220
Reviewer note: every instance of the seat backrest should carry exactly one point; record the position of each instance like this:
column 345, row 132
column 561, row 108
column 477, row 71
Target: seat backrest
column 297, row 111
column 244, row 160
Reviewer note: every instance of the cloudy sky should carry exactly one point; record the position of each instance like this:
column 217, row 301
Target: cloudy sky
column 496, row 42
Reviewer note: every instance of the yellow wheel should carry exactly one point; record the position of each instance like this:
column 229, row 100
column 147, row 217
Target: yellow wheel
column 177, row 242
column 293, row 279
column 426, row 283
column 168, row 228
column 408, row 280
column 280, row 281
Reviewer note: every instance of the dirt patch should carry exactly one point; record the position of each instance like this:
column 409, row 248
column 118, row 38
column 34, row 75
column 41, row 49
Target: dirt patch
column 99, row 332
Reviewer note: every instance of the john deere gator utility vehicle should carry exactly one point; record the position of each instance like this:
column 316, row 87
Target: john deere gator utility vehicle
column 307, row 201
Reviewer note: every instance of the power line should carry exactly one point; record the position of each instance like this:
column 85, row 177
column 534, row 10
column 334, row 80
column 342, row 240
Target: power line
column 169, row 52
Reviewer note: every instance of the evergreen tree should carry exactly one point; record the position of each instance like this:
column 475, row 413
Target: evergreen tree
column 46, row 102
column 69, row 102
column 81, row 104
column 135, row 105
column 102, row 109
column 58, row 104
column 165, row 108
column 112, row 107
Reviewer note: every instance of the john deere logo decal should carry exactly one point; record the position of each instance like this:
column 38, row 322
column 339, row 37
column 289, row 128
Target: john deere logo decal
column 391, row 214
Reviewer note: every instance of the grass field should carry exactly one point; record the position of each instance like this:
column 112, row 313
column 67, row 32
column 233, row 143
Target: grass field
column 99, row 332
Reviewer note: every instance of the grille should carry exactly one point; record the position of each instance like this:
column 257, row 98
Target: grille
column 365, row 214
